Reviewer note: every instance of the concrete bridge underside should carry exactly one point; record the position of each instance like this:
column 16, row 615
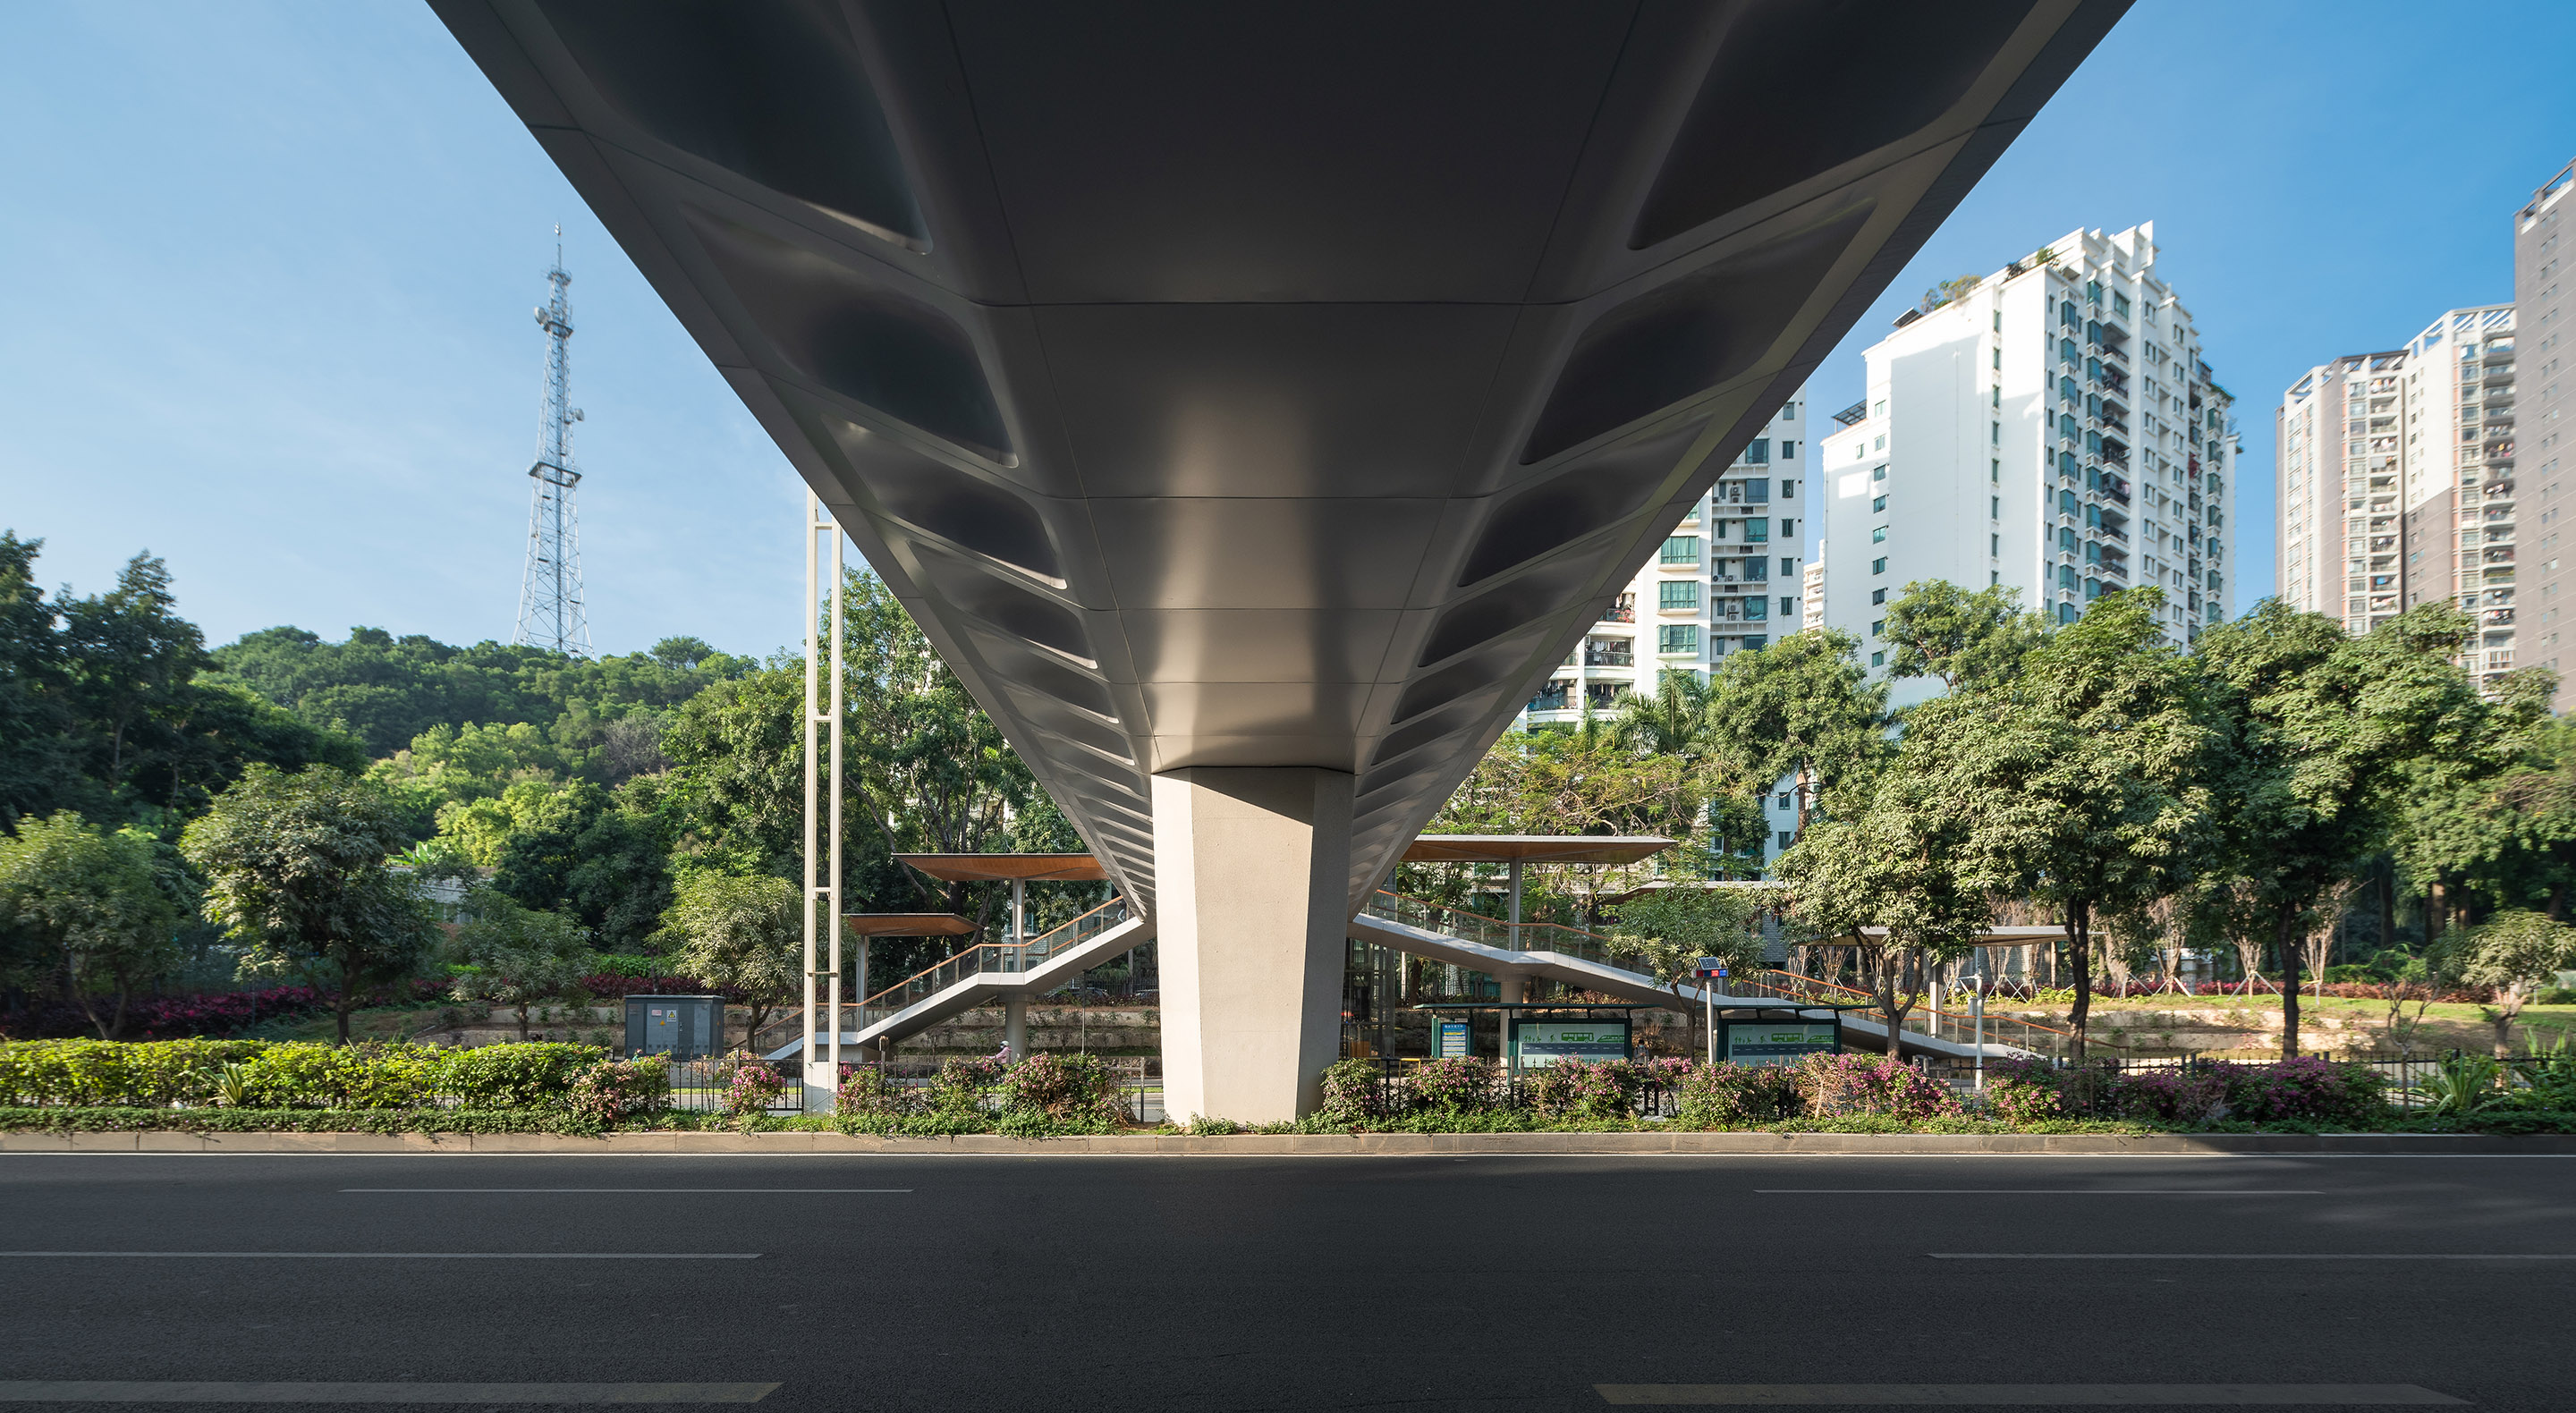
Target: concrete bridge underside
column 1254, row 402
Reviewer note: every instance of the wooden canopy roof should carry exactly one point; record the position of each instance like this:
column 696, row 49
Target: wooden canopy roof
column 1534, row 848
column 906, row 924
column 1030, row 868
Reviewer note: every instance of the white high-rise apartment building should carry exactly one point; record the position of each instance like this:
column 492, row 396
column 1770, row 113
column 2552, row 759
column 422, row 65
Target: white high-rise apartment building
column 1731, row 576
column 2396, row 479
column 2051, row 427
column 2544, row 294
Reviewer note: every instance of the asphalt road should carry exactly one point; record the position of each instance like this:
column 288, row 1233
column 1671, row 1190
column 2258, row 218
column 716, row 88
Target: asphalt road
column 985, row 1285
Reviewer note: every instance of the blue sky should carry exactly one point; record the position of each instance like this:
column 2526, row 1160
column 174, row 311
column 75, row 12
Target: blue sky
column 266, row 272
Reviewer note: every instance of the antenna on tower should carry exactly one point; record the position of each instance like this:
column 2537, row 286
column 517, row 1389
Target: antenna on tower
column 550, row 612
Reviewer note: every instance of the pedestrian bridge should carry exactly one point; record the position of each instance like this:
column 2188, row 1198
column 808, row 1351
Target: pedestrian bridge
column 1254, row 402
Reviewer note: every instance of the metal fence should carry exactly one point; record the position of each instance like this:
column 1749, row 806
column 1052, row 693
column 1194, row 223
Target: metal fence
column 709, row 1086
column 2406, row 1076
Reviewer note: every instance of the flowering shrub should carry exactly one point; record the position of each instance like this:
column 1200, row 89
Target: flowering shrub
column 1733, row 1096
column 620, row 1089
column 966, row 1083
column 1460, row 1084
column 1355, row 1092
column 1583, row 1089
column 1067, row 1090
column 867, row 1090
column 1837, row 1086
column 2304, row 1090
column 753, row 1086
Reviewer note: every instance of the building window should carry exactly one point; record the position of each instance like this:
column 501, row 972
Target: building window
column 1682, row 549
column 1787, row 607
column 1784, row 838
column 1677, row 593
column 1878, row 473
column 1878, row 535
column 1759, row 453
column 1877, row 627
column 1787, row 450
column 1878, row 659
column 1788, row 566
column 1878, row 565
column 1677, row 638
column 1994, row 507
column 1788, row 490
column 1758, row 530
column 1878, row 596
column 1994, row 546
column 1997, row 436
column 1757, row 610
column 1878, row 504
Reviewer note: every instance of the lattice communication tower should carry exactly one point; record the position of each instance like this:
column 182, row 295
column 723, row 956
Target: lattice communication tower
column 550, row 612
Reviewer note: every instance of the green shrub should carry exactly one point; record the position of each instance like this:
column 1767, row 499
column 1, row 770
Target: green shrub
column 110, row 1072
column 528, row 1076
column 1737, row 1096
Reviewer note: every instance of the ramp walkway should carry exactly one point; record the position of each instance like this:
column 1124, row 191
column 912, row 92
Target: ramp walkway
column 1591, row 961
column 1586, row 961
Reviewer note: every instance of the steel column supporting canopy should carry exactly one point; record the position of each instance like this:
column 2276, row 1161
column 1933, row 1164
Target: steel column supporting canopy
column 1267, row 384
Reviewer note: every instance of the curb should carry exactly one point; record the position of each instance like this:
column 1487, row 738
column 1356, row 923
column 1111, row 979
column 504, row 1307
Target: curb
column 1296, row 1145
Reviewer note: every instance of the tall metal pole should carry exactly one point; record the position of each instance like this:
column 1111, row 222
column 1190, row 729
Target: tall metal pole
column 822, row 944
column 813, row 770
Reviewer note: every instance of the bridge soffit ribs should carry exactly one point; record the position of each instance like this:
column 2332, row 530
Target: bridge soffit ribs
column 1265, row 386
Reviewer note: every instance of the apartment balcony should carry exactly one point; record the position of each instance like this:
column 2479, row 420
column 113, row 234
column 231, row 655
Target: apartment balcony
column 1556, row 696
column 2497, row 554
column 2117, row 453
column 1620, row 656
column 1619, row 613
column 2496, row 617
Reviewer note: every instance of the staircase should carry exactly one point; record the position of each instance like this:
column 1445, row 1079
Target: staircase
column 980, row 974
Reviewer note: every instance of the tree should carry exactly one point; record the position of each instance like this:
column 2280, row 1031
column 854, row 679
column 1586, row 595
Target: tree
column 2516, row 953
column 1670, row 929
column 1802, row 707
column 87, row 908
column 296, row 869
column 2507, row 836
column 1963, row 640
column 2082, row 772
column 742, row 936
column 2321, row 735
column 1888, row 872
column 514, row 956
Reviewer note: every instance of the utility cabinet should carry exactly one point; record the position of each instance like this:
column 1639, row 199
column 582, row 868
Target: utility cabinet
column 682, row 1027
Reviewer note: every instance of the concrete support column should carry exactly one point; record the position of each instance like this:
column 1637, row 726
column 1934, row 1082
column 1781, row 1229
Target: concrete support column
column 1251, row 879
column 1515, row 986
column 1015, row 1024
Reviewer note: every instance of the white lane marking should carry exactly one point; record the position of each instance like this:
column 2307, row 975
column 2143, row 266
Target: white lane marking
column 2068, row 1191
column 210, row 1391
column 626, row 1189
column 411, row 1255
column 2028, row 1395
column 2251, row 1255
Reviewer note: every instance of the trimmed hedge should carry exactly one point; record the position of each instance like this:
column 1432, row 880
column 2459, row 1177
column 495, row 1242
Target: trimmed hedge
column 269, row 1075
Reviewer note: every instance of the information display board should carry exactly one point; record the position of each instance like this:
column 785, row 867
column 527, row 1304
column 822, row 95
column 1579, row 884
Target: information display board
column 1780, row 1042
column 1536, row 1044
column 1449, row 1040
